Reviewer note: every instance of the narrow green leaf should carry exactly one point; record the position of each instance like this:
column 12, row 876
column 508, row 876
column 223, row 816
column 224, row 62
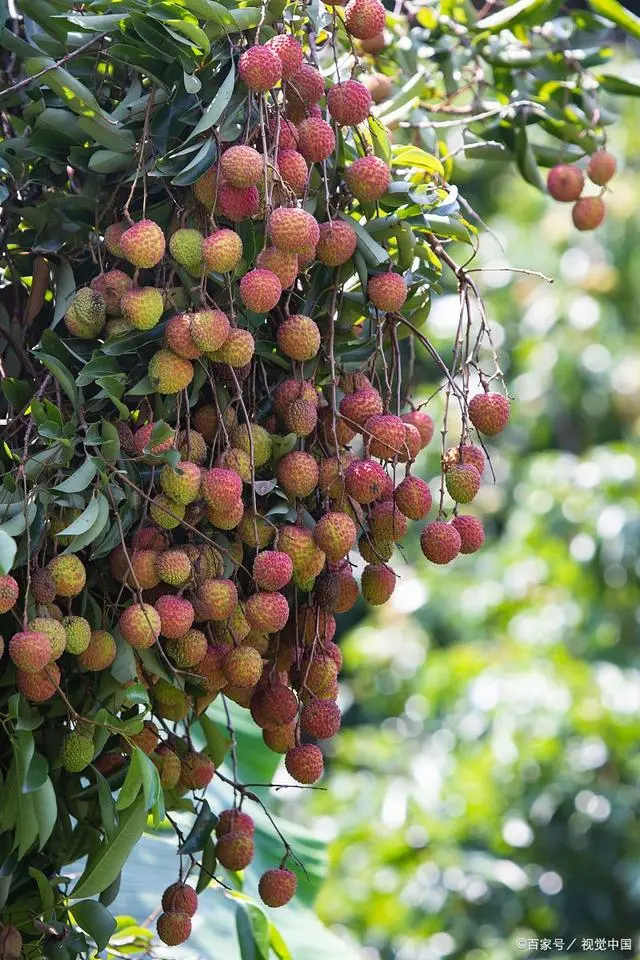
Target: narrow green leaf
column 7, row 552
column 84, row 522
column 80, row 478
column 252, row 928
column 73, row 92
column 615, row 12
column 106, row 863
column 217, row 106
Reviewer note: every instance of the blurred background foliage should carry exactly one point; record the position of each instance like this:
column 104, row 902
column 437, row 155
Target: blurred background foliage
column 484, row 787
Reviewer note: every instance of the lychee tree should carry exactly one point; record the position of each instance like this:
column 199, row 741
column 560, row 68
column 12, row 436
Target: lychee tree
column 223, row 229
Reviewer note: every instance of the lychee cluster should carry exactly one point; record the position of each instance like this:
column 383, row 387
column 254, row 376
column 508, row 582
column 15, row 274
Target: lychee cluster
column 566, row 183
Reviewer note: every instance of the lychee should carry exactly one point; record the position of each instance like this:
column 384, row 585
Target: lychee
column 565, row 182
column 471, row 533
column 306, row 86
column 205, row 188
column 143, row 307
column 601, row 167
column 242, row 666
column 277, row 887
column 146, row 739
column 185, row 246
column 274, row 706
column 292, row 229
column 462, row 482
column 349, row 103
column 179, row 897
column 244, row 436
column 112, row 237
column 9, row 592
column 364, row 18
column 387, row 522
column 242, row 166
column 174, row 927
column 337, row 243
column 112, row 286
column 267, row 612
column 260, row 290
column 145, row 446
column 411, row 445
column 209, row 329
column 335, row 534
column 182, row 482
column 169, row 373
column 489, row 412
column 364, row 480
column 76, row 752
column 588, row 213
column 221, row 487
column 187, row 650
column 40, row 686
column 304, row 763
column 260, row 68
column 380, row 87
column 237, row 203
column 374, row 551
column 69, row 575
column 284, row 265
column 280, row 739
column 359, row 406
column 298, row 337
column 197, row 771
column 54, row 630
column 191, row 446
column 289, row 51
column 143, row 244
column 440, row 542
column 413, row 498
column 297, row 474
column 166, row 512
column 234, row 821
column 368, row 178
column 173, row 567
column 316, row 139
column 235, row 850
column 219, row 597
column 168, row 766
column 140, row 625
column 272, row 570
column 222, row 251
column 321, row 719
column 386, row 434
column 300, row 417
column 285, row 131
column 464, row 453
column 387, row 291
column 236, row 351
column 378, row 583
column 86, row 315
column 99, row 653
column 293, row 170
column 176, row 616
column 30, row 651
column 78, row 634
column 42, row 586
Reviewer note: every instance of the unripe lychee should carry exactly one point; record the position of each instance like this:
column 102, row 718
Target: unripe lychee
column 304, row 763
column 209, row 329
column 297, row 541
column 260, row 290
column 69, row 575
column 76, row 752
column 99, row 653
column 242, row 666
column 41, row 686
column 143, row 244
column 260, row 68
column 235, row 850
column 180, row 898
column 489, row 412
column 374, row 551
column 440, row 542
column 297, row 474
column 364, row 480
column 234, row 821
column 169, row 373
column 9, row 592
column 112, row 286
column 146, row 739
column 174, row 927
column 274, row 706
column 242, row 166
column 413, row 498
column 187, row 650
column 357, row 407
column 335, row 534
column 182, row 482
column 588, row 213
column 237, row 350
column 349, row 103
column 173, row 567
column 245, row 435
column 205, row 188
column 321, row 719
column 54, row 630
column 78, row 632
column 222, row 251
column 386, row 434
column 185, row 246
column 462, row 482
column 289, row 51
column 176, row 616
column 380, row 87
column 464, row 453
column 272, row 570
column 191, row 446
column 387, row 522
column 378, row 583
column 168, row 766
column 170, row 702
column 368, row 178
column 316, row 139
column 565, row 182
column 140, row 625
column 471, row 533
column 292, row 168
column 255, row 530
column 280, row 739
column 86, row 315
column 292, row 229
column 167, row 513
column 267, row 612
column 298, row 337
column 237, row 203
column 112, row 236
column 277, row 887
column 387, row 291
column 219, row 597
column 337, row 243
column 30, row 651
column 601, row 167
column 197, row 771
column 143, row 307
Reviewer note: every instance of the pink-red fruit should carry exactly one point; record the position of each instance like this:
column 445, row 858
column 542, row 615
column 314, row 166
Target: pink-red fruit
column 489, row 412
column 440, row 542
column 565, row 182
column 277, row 887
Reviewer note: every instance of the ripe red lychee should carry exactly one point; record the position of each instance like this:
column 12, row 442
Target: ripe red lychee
column 335, row 534
column 178, row 338
column 197, row 770
column 465, row 453
column 368, row 178
column 242, row 666
column 386, row 435
column 237, row 350
column 292, row 229
column 140, row 625
column 221, row 487
column 364, row 18
column 180, row 898
column 378, row 583
column 300, row 417
column 316, row 139
column 147, row 739
column 112, row 237
column 357, row 407
column 169, row 373
column 413, row 497
column 285, row 131
column 274, row 706
column 260, row 290
column 284, row 265
column 489, row 412
column 235, row 850
column 267, row 612
column 237, row 203
column 462, row 481
column 307, row 84
column 41, row 686
column 69, row 575
column 297, row 474
column 112, row 285
column 293, row 170
column 387, row 291
column 242, row 166
column 272, row 570
column 143, row 244
column 234, row 821
column 219, row 597
column 9, row 592
column 565, row 182
column 30, row 650
column 440, row 542
column 349, row 103
column 471, row 533
column 174, row 927
column 337, row 243
column 588, row 213
column 422, row 422
column 290, row 390
column 222, row 251
column 298, row 337
column 304, row 763
column 289, row 51
column 601, row 167
column 364, row 480
column 260, row 67
column 387, row 522
column 277, row 887
column 321, row 719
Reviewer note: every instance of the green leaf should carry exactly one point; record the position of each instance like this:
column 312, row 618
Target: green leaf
column 619, row 85
column 404, row 156
column 190, row 30
column 218, row 742
column 109, row 161
column 132, row 784
column 84, row 539
column 106, row 863
column 217, row 106
column 618, row 14
column 277, row 944
column 92, row 917
column 77, row 97
column 7, row 552
column 110, row 441
column 37, row 774
column 65, row 290
column 45, row 808
column 525, row 158
column 47, row 896
column 252, row 927
column 372, row 252
column 108, row 134
column 512, row 14
column 61, row 373
column 108, row 812
column 80, row 478
column 208, row 865
column 84, row 522
column 200, row 831
column 17, row 392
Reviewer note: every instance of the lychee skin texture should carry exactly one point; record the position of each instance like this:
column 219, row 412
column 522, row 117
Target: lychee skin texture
column 588, row 213
column 78, row 631
column 76, row 752
column 316, row 140
column 298, row 337
column 260, row 290
column 349, row 103
column 386, row 434
column 142, row 439
column 197, row 771
column 387, row 291
column 9, row 592
column 143, row 307
column 465, row 453
column 305, row 763
column 471, row 533
column 306, row 86
column 181, row 483
column 267, row 612
column 335, row 534
column 364, row 18
column 601, row 167
column 30, row 650
column 166, row 512
column 55, row 631
column 209, row 329
column 274, row 706
column 364, row 480
column 357, row 407
column 242, row 166
column 422, row 422
column 489, row 412
column 187, row 650
column 140, row 625
column 38, row 687
column 413, row 497
column 205, row 188
column 289, row 51
column 169, row 373
column 261, row 68
column 293, row 169
column 69, row 575
column 143, row 244
column 234, row 821
column 387, row 522
column 176, row 616
column 86, row 315
column 368, row 178
column 237, row 350
column 297, row 474
column 272, row 570
column 221, row 487
column 180, row 898
column 337, row 243
column 173, row 567
column 284, row 265
column 462, row 482
column 378, row 583
column 293, row 230
column 220, row 597
column 301, row 417
column 174, row 927
column 280, row 739
column 235, row 850
column 112, row 237
column 42, row 585
column 185, row 246
column 112, row 285
column 242, row 666
column 565, row 182
column 222, row 251
column 321, row 719
column 99, row 653
column 277, row 887
column 262, row 443
column 237, row 203
column 440, row 542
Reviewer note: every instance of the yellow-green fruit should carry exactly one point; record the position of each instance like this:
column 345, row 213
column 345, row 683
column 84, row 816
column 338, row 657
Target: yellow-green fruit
column 187, row 650
column 261, row 442
column 204, row 189
column 185, row 247
column 170, row 702
column 69, row 575
column 143, row 307
column 182, row 482
column 237, row 350
column 209, row 329
column 166, row 512
column 191, row 446
column 255, row 531
column 173, row 567
column 78, row 634
column 169, row 373
column 222, row 251
column 115, row 326
column 100, row 653
column 76, row 752
column 54, row 630
column 238, row 460
column 86, row 316
column 168, row 766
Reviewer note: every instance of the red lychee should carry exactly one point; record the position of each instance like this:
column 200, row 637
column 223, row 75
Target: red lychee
column 274, row 706
column 174, row 928
column 387, row 291
column 297, row 474
column 359, row 406
column 219, row 598
column 112, row 285
column 180, row 897
column 235, row 850
column 364, row 18
column 565, row 182
column 9, row 592
column 289, row 51
column 349, row 103
column 321, row 719
column 277, row 887
column 267, row 612
column 272, row 570
column 601, row 168
column 285, row 131
column 387, row 522
column 237, row 203
column 260, row 67
column 290, row 390
column 364, row 480
column 304, row 763
column 178, row 337
column 316, row 139
column 386, row 435
column 292, row 229
column 471, row 533
column 242, row 166
column 143, row 244
column 368, row 178
column 284, row 265
column 41, row 686
column 197, row 771
column 489, row 412
column 30, row 650
column 234, row 821
column 588, row 213
column 260, row 290
column 140, row 625
column 337, row 243
column 221, row 487
column 301, row 417
column 293, row 170
column 440, row 542
column 298, row 337
column 222, row 251
column 413, row 497
column 335, row 534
